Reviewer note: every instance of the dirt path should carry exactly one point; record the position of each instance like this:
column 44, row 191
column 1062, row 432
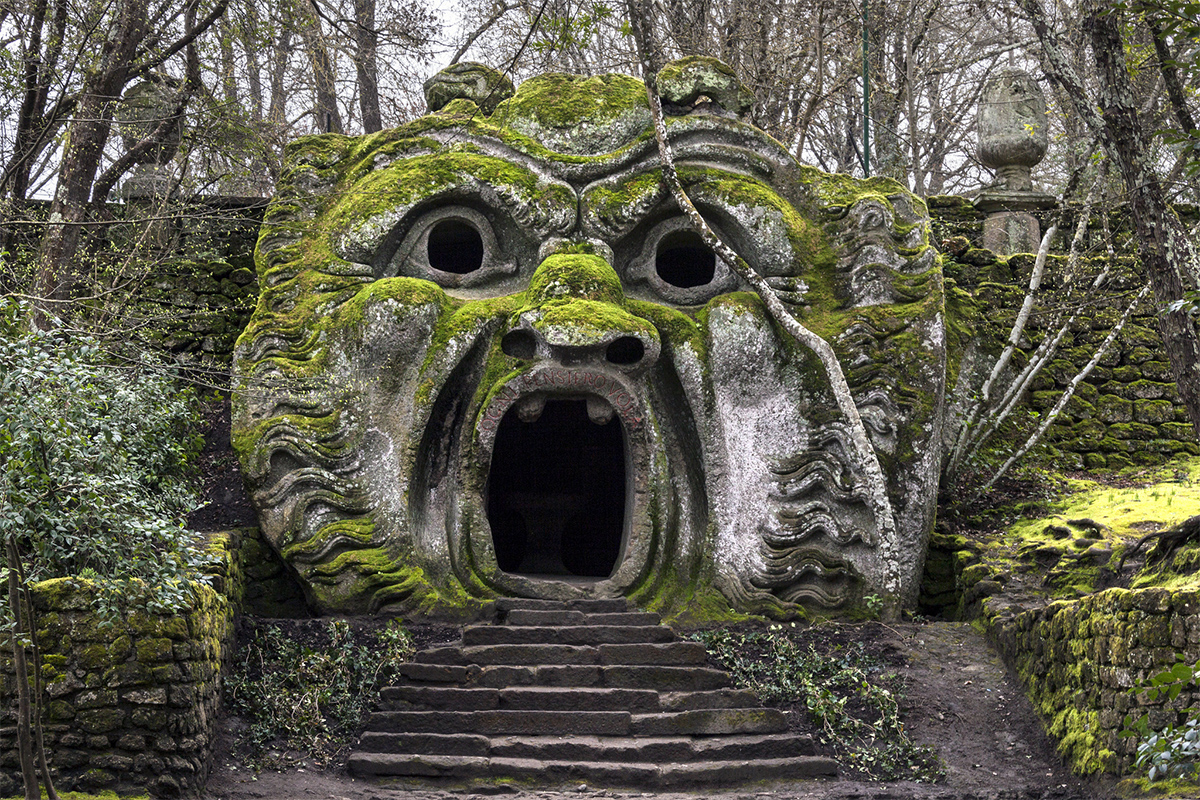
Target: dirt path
column 960, row 700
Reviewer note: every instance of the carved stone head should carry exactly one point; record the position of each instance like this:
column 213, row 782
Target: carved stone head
column 491, row 357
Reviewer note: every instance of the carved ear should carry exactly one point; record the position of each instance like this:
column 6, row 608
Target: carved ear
column 685, row 82
column 468, row 80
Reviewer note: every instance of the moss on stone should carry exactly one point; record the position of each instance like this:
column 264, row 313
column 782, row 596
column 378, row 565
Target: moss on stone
column 561, row 100
column 584, row 277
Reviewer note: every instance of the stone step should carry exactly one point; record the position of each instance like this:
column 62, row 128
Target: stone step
column 496, row 723
column 477, row 635
column 665, row 679
column 656, row 653
column 657, row 749
column 638, row 775
column 507, row 604
column 719, row 698
column 709, row 722
column 533, row 698
column 439, row 673
column 662, row 749
column 529, row 617
column 439, row 744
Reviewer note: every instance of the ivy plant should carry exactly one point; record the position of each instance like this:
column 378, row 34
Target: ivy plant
column 1174, row 751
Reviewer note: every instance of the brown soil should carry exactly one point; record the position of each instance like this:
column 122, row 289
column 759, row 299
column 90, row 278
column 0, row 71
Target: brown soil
column 960, row 700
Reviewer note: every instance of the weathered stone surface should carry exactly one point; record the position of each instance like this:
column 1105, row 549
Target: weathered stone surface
column 453, row 315
column 1013, row 135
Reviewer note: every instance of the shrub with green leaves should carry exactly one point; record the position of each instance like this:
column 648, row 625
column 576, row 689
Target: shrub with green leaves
column 310, row 693
column 852, row 699
column 1174, row 751
column 97, row 466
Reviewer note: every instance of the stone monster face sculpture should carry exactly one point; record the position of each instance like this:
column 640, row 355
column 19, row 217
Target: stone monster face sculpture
column 492, row 358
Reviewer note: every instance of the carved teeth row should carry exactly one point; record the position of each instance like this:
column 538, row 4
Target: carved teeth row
column 530, row 407
column 599, row 410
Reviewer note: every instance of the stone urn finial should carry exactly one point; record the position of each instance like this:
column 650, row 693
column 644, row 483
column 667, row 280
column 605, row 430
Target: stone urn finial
column 143, row 107
column 1012, row 127
column 1012, row 140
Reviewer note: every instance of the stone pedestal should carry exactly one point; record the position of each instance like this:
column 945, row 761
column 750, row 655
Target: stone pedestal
column 1010, row 226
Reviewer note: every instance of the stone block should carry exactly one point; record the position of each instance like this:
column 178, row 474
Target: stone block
column 101, row 720
column 155, row 650
column 152, row 696
column 1153, row 412
column 1113, row 408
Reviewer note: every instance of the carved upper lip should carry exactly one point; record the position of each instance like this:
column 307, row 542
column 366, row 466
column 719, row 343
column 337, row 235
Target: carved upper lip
column 607, row 394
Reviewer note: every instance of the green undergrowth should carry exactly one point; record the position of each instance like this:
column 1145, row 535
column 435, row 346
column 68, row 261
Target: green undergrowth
column 303, row 689
column 1159, row 790
column 852, row 699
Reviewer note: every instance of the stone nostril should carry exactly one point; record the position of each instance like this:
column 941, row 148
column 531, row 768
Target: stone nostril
column 519, row 344
column 625, row 351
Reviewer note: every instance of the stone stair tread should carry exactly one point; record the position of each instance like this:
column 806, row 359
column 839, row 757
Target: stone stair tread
column 609, row 606
column 523, row 617
column 713, row 698
column 476, row 635
column 440, row 744
column 534, row 698
column 592, row 748
column 497, row 722
column 600, row 772
column 709, row 722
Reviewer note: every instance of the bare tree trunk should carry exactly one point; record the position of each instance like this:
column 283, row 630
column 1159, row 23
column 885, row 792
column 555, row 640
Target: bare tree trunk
column 366, row 40
column 21, row 670
column 1164, row 246
column 328, row 118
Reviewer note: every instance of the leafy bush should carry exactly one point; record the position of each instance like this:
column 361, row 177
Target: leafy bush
column 852, row 700
column 97, row 467
column 311, row 696
column 1174, row 751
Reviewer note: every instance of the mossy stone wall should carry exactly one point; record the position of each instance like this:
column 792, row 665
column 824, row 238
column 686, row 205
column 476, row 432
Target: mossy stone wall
column 1127, row 412
column 130, row 706
column 1078, row 659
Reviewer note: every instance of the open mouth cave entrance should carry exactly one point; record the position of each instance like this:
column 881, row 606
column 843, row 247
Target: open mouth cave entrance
column 557, row 492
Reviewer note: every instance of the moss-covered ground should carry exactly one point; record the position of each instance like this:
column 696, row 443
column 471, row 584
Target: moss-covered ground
column 1078, row 537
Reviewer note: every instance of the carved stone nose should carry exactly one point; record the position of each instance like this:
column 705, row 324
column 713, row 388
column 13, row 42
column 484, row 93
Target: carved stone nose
column 617, row 349
column 575, row 315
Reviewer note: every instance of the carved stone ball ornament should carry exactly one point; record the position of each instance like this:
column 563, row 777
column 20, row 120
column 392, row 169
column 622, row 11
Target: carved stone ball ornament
column 491, row 358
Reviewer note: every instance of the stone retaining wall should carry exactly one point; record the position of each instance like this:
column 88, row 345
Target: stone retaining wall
column 1077, row 659
column 131, row 705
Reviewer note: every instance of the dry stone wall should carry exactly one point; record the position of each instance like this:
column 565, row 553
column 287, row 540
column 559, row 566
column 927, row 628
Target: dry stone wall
column 130, row 705
column 1078, row 659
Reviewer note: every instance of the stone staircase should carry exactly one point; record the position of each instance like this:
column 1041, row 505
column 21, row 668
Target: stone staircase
column 583, row 691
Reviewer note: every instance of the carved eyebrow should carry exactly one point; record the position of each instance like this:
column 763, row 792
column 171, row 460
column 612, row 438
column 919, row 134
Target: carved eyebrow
column 385, row 200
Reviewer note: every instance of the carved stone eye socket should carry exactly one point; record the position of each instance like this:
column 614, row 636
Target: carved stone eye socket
column 682, row 259
column 455, row 246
